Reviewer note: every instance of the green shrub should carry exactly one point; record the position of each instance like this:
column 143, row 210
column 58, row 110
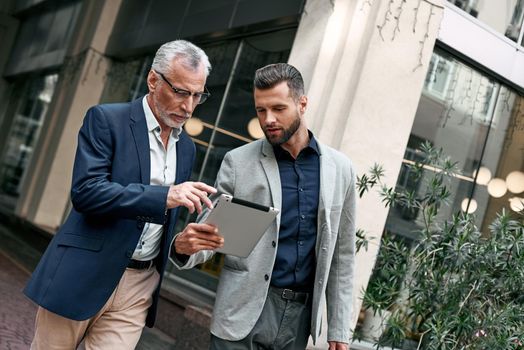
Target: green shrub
column 454, row 287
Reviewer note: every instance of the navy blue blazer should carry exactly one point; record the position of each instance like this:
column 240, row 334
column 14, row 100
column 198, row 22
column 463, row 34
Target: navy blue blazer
column 112, row 199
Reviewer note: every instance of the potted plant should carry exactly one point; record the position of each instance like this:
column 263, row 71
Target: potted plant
column 455, row 287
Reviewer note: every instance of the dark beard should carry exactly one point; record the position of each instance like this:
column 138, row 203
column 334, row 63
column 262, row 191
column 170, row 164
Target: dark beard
column 287, row 133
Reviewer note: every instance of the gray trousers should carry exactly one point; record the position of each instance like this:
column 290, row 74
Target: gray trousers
column 283, row 325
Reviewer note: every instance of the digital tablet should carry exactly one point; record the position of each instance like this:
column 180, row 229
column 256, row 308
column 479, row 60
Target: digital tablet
column 240, row 222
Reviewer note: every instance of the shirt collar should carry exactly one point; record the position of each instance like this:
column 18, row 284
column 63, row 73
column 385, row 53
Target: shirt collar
column 151, row 121
column 312, row 146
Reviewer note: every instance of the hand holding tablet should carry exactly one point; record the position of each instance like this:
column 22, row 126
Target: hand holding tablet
column 241, row 223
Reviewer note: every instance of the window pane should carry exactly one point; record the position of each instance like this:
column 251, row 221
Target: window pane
column 478, row 123
column 454, row 114
column 505, row 17
column 28, row 119
column 502, row 183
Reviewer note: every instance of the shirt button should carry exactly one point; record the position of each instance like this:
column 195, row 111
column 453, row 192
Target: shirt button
column 274, row 244
column 300, row 242
column 301, row 189
column 266, row 277
column 302, row 216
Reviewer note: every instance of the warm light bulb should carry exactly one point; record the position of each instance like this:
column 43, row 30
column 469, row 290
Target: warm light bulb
column 472, row 205
column 194, row 126
column 515, row 181
column 516, row 204
column 484, row 175
column 254, row 129
column 497, row 187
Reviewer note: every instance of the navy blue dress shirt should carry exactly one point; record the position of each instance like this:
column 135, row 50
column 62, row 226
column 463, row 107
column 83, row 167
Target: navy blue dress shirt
column 300, row 180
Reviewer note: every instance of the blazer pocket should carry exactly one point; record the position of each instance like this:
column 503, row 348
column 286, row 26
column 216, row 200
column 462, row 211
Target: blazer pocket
column 93, row 243
column 235, row 263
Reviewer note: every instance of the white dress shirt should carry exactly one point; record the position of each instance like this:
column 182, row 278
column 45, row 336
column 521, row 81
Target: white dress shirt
column 163, row 172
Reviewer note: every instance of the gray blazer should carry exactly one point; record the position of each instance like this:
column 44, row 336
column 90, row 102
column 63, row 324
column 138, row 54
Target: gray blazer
column 251, row 173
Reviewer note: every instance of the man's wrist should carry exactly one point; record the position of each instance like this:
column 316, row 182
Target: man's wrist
column 181, row 258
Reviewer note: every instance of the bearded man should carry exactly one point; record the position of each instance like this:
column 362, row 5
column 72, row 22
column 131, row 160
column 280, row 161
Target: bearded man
column 274, row 298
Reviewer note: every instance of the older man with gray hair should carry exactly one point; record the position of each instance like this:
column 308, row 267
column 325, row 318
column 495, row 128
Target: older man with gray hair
column 100, row 276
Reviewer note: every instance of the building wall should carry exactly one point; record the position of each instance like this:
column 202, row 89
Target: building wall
column 80, row 86
column 365, row 73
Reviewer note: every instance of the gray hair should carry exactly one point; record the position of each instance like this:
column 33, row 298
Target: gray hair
column 191, row 54
column 273, row 74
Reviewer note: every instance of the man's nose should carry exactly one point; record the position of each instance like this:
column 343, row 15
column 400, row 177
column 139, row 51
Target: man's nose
column 270, row 118
column 189, row 104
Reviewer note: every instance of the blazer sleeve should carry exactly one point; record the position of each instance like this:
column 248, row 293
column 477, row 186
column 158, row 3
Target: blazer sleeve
column 225, row 183
column 92, row 190
column 339, row 290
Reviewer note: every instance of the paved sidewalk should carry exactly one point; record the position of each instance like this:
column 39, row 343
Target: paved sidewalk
column 17, row 312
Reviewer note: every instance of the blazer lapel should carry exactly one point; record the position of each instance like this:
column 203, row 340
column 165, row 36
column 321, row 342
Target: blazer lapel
column 327, row 188
column 270, row 166
column 181, row 159
column 140, row 134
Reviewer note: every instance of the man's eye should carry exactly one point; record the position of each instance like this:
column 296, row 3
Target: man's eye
column 183, row 93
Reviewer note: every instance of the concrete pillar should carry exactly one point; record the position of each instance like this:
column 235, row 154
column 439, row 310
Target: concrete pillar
column 365, row 78
column 81, row 83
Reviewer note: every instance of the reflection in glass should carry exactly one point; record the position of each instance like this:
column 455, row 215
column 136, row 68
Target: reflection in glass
column 516, row 204
column 479, row 123
column 468, row 205
column 25, row 128
column 505, row 17
column 515, row 182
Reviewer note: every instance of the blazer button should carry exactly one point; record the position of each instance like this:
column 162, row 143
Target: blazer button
column 274, row 244
column 129, row 253
column 140, row 224
column 266, row 277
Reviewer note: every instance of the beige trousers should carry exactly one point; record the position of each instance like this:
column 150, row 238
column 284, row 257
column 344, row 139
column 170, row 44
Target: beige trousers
column 118, row 325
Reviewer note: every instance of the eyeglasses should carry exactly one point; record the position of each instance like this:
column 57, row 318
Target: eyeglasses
column 181, row 94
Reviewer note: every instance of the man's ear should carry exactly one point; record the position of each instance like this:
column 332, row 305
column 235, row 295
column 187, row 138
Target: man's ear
column 152, row 79
column 302, row 103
